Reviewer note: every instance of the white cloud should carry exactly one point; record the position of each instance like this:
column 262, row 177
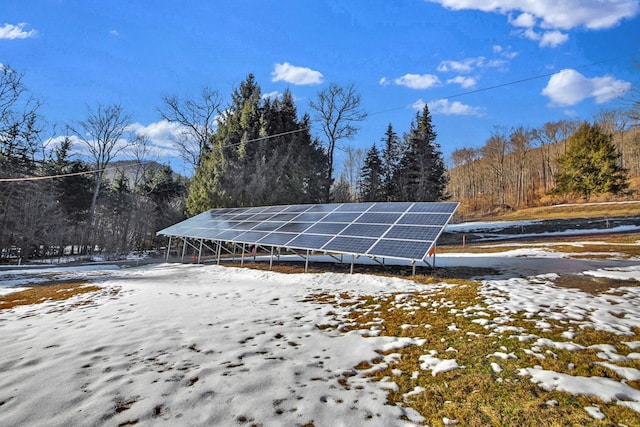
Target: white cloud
column 564, row 15
column 526, row 20
column 12, row 32
column 547, row 39
column 465, row 66
column 384, row 82
column 295, row 75
column 162, row 135
column 569, row 87
column 465, row 82
column 418, row 81
column 553, row 14
column 470, row 64
column 443, row 106
column 114, row 33
column 553, row 39
column 271, row 95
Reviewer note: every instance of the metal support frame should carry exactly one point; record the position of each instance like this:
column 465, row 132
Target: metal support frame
column 184, row 248
column 306, row 262
column 276, row 250
column 168, row 250
column 271, row 260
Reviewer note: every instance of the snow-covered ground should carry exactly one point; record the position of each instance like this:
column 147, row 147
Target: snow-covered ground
column 184, row 344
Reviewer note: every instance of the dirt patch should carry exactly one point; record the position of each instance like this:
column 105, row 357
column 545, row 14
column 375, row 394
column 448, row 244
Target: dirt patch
column 381, row 270
column 592, row 285
column 54, row 291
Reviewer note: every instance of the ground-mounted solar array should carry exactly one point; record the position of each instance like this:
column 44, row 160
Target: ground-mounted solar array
column 400, row 230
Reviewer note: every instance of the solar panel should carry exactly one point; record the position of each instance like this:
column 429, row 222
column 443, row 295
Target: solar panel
column 402, row 230
column 277, row 239
column 379, row 218
column 304, row 241
column 349, row 245
column 330, row 228
column 400, row 249
column 413, row 232
column 364, row 230
column 435, row 219
column 294, row 227
column 250, row 237
column 341, row 217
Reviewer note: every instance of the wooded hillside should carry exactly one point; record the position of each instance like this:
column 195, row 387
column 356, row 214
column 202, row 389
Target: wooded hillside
column 519, row 167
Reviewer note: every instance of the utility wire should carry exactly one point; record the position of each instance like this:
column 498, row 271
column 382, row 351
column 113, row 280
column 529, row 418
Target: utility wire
column 63, row 175
column 513, row 82
column 262, row 138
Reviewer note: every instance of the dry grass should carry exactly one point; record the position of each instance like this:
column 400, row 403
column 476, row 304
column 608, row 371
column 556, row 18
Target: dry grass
column 578, row 210
column 48, row 292
column 604, row 245
column 476, row 395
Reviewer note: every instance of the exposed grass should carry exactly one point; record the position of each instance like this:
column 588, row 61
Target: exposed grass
column 580, row 210
column 475, row 395
column 43, row 293
column 615, row 245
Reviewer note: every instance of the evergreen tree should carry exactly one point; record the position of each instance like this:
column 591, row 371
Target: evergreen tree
column 262, row 154
column 74, row 192
column 371, row 185
column 422, row 174
column 391, row 154
column 590, row 165
column 219, row 179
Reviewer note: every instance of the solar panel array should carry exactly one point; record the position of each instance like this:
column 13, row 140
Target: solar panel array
column 403, row 230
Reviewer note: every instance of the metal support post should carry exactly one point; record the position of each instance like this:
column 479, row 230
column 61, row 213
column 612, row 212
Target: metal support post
column 271, row 259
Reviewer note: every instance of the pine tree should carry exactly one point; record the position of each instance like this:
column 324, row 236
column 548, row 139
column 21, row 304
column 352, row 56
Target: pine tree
column 219, row 180
column 371, row 185
column 262, row 154
column 391, row 154
column 422, row 174
column 590, row 165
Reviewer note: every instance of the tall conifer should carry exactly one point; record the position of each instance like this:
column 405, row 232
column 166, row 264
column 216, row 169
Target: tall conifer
column 372, row 181
column 422, row 174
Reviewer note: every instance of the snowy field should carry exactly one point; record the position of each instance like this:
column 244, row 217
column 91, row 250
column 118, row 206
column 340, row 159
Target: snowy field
column 205, row 345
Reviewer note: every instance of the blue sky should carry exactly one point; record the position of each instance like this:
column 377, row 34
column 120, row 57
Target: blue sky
column 398, row 54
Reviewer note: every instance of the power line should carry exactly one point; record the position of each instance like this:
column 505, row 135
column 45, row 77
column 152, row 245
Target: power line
column 513, row 82
column 262, row 138
column 266, row 137
column 64, row 175
column 40, row 178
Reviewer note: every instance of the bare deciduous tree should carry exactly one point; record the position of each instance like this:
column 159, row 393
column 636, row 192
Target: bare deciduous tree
column 352, row 167
column 337, row 109
column 103, row 134
column 197, row 119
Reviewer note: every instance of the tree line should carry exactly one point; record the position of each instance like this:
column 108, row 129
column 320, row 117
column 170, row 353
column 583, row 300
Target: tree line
column 567, row 160
column 261, row 153
column 53, row 204
column 257, row 150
